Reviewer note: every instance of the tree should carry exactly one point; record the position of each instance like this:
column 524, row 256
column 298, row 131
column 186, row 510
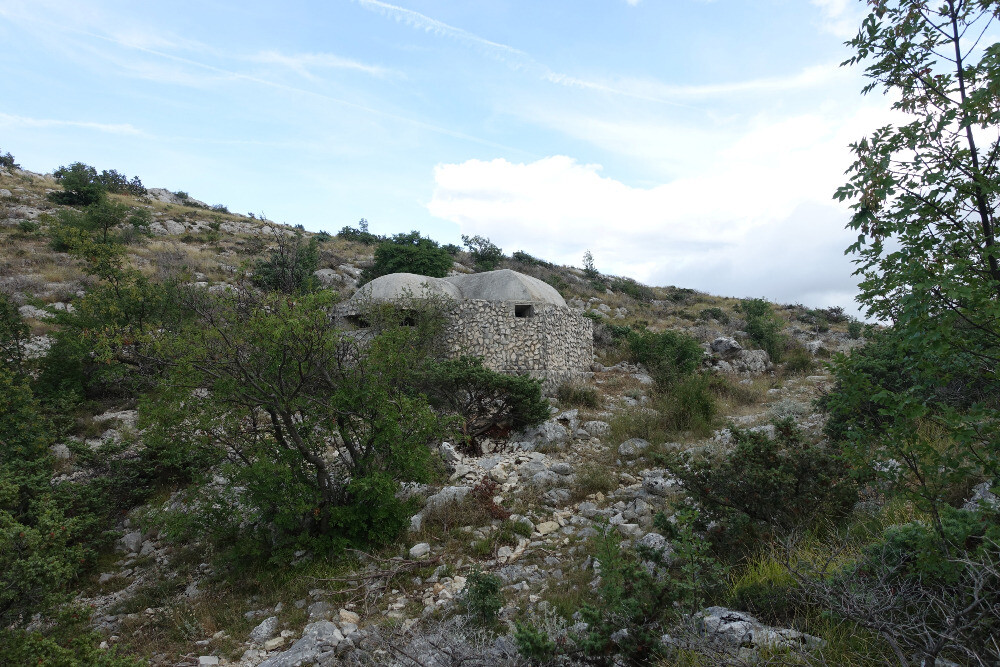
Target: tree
column 290, row 266
column 486, row 255
column 409, row 253
column 81, row 185
column 317, row 426
column 924, row 195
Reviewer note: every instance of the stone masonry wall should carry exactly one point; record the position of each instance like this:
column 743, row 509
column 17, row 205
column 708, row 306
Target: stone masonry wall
column 552, row 343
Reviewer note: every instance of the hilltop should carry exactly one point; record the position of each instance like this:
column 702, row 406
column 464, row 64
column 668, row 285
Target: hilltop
column 699, row 422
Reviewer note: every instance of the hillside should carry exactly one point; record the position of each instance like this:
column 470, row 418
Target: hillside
column 563, row 538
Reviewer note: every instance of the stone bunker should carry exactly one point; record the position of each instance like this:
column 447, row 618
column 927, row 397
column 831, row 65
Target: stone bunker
column 514, row 322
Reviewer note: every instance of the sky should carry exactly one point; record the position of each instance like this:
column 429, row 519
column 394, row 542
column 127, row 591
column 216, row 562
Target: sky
column 695, row 143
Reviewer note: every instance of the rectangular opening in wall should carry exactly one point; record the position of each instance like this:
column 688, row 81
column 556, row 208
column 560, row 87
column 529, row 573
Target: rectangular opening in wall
column 525, row 310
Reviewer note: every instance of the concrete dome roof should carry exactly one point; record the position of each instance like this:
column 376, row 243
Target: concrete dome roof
column 396, row 286
column 502, row 285
column 506, row 285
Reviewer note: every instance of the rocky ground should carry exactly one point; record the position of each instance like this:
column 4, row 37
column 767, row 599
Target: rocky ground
column 525, row 510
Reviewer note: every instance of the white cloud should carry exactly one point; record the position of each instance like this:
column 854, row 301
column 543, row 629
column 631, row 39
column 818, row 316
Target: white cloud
column 840, row 17
column 756, row 219
column 302, row 63
column 9, row 120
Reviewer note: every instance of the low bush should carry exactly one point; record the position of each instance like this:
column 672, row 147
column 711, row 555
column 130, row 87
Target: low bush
column 763, row 326
column 714, row 313
column 482, row 598
column 360, row 234
column 289, row 267
column 7, row 161
column 632, row 288
column 798, row 360
column 485, row 254
column 487, row 404
column 408, row 253
column 689, row 405
column 578, row 395
column 764, row 486
column 669, row 356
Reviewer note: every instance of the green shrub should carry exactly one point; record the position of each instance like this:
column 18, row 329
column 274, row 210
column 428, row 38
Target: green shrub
column 855, row 328
column 668, row 356
column 487, row 403
column 714, row 313
column 486, row 255
column 483, row 597
column 69, row 641
column 578, row 395
column 766, row 589
column 120, row 183
column 289, row 267
column 763, row 486
column 689, row 405
column 409, row 253
column 528, row 260
column 284, row 491
column 323, row 237
column 764, row 327
column 632, row 288
column 7, row 161
column 81, row 185
column 798, row 360
column 360, row 234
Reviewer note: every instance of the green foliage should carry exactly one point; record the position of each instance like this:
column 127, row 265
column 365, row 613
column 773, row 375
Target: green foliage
column 69, row 642
column 798, row 360
column 855, row 328
column 714, row 313
column 632, row 288
column 487, row 403
column 323, row 237
column 289, row 267
column 281, row 387
column 40, row 552
column 528, row 260
column 81, row 185
column 763, row 326
column 409, row 253
column 360, row 234
column 120, row 183
column 589, row 269
column 916, row 423
column 7, row 161
column 639, row 595
column 764, row 486
column 669, row 356
column 486, row 255
column 924, row 194
column 930, row 590
column 689, row 405
column 13, row 335
column 534, row 643
column 483, row 597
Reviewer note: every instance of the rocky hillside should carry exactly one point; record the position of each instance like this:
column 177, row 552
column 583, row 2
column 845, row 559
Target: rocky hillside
column 516, row 537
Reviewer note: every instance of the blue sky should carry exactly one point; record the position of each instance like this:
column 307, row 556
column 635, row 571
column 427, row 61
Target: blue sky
column 685, row 142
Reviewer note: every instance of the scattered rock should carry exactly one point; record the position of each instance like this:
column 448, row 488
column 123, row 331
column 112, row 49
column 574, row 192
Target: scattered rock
column 632, row 447
column 317, row 646
column 419, row 550
column 265, row 630
column 547, row 527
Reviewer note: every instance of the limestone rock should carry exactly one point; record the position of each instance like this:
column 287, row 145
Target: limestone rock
column 265, row 630
column 632, row 447
column 317, row 646
column 419, row 550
